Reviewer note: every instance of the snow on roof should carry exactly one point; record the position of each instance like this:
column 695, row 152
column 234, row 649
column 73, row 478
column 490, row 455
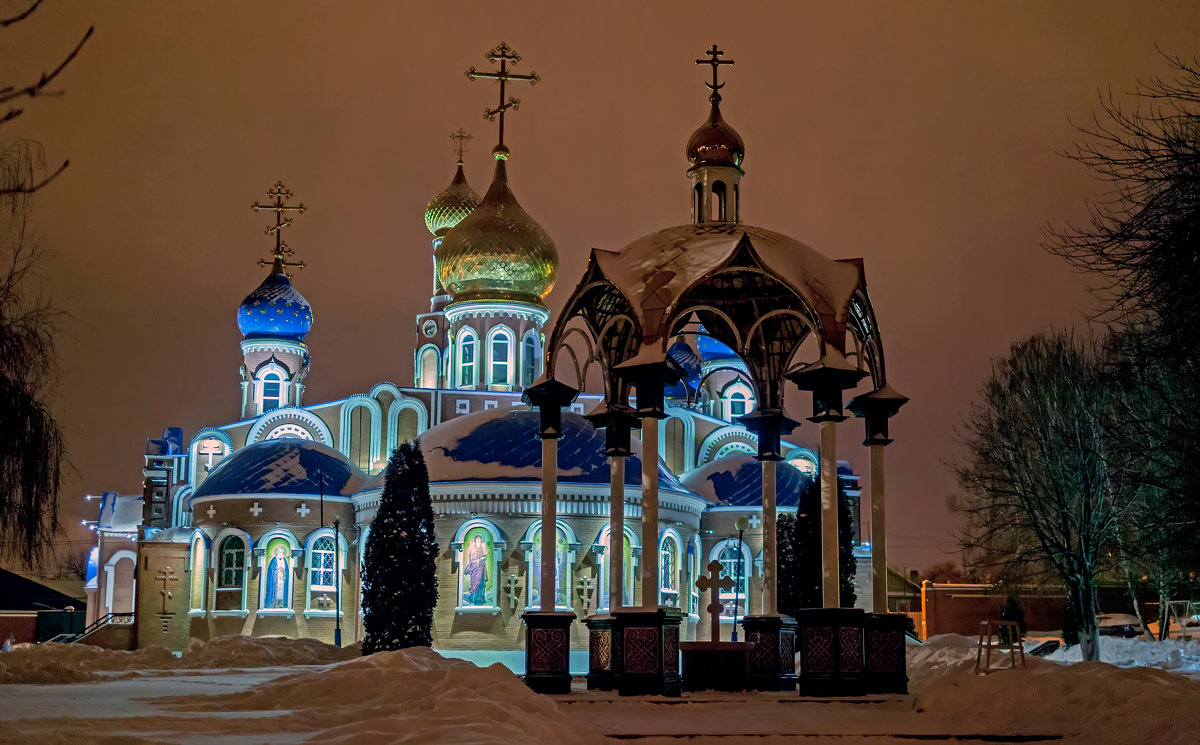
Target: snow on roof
column 654, row 271
column 502, row 445
column 736, row 481
column 284, row 466
column 120, row 513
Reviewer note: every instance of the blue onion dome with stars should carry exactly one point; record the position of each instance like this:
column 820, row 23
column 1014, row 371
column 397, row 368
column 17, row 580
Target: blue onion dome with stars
column 736, row 481
column 502, row 445
column 284, row 466
column 276, row 310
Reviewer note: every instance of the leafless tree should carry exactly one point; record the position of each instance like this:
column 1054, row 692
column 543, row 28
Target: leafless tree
column 1034, row 485
column 31, row 443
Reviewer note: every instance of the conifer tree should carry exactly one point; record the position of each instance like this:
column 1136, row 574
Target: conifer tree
column 400, row 564
column 798, row 546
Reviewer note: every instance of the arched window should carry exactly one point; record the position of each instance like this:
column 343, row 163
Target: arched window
column 198, row 570
column 739, row 399
column 630, row 568
column 477, row 547
column 231, row 574
column 428, row 368
column 272, row 391
column 528, row 360
column 698, row 205
column 668, row 569
column 289, row 430
column 321, row 569
column 737, row 404
column 718, row 201
column 500, row 357
column 727, row 552
column 693, row 559
column 466, row 359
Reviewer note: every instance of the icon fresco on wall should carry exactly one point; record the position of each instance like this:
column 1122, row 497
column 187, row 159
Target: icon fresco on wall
column 560, row 570
column 627, row 562
column 277, row 577
column 478, row 581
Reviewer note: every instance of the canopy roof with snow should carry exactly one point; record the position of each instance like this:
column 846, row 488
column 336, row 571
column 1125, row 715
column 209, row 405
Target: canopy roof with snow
column 502, row 445
column 284, row 466
column 736, row 481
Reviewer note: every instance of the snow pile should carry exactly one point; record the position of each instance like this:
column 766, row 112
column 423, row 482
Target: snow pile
column 412, row 696
column 1088, row 702
column 76, row 663
column 944, row 654
column 1168, row 654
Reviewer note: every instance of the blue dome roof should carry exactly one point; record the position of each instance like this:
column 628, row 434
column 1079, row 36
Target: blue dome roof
column 712, row 350
column 284, row 466
column 275, row 310
column 689, row 360
column 502, row 445
column 736, row 481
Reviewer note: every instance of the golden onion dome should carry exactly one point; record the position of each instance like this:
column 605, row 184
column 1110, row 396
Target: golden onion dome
column 449, row 207
column 498, row 252
column 715, row 143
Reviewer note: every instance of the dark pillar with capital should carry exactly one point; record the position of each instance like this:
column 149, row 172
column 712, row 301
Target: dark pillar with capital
column 548, row 632
column 604, row 660
column 886, row 665
column 772, row 659
column 649, row 635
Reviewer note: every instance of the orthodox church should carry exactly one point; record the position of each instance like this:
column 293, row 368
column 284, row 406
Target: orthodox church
column 258, row 527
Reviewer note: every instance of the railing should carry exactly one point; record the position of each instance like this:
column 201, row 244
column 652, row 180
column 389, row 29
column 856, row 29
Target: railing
column 115, row 619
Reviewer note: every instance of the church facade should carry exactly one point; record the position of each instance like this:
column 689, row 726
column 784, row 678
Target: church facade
column 258, row 527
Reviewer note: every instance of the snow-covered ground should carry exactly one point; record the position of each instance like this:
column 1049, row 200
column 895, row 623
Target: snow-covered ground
column 238, row 690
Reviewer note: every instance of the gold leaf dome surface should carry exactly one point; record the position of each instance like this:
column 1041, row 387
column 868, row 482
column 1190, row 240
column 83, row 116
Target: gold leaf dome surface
column 715, row 143
column 498, row 251
column 453, row 204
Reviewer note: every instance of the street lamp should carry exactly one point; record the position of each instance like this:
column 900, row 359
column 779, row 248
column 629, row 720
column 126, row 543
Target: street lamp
column 741, row 525
column 337, row 582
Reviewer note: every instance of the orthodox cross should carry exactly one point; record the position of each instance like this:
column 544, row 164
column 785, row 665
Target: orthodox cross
column 210, row 447
column 504, row 54
column 511, row 584
column 716, row 61
column 165, row 575
column 586, row 585
column 461, row 138
column 714, row 582
column 280, row 194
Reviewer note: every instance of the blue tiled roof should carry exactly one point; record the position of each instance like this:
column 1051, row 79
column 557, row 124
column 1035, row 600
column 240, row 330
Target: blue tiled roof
column 736, row 481
column 712, row 350
column 276, row 310
column 283, row 466
column 502, row 445
column 689, row 360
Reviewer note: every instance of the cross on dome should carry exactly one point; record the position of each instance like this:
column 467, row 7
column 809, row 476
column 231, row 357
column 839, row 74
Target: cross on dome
column 280, row 194
column 461, row 138
column 716, row 62
column 504, row 54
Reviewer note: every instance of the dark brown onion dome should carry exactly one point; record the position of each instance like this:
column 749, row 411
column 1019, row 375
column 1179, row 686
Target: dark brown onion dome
column 715, row 143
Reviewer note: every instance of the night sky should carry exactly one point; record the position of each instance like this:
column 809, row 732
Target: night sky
column 924, row 137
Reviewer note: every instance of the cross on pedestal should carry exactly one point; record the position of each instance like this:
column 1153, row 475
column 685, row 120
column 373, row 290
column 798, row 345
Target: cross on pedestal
column 755, row 521
column 212, row 511
column 303, row 509
column 714, row 583
column 511, row 583
column 256, row 510
column 585, row 591
column 165, row 575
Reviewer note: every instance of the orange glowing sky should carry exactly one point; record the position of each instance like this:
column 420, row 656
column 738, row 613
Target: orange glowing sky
column 923, row 137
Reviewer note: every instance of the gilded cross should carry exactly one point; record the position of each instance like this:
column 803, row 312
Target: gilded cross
column 504, row 54
column 716, row 61
column 165, row 575
column 714, row 583
column 279, row 194
column 461, row 138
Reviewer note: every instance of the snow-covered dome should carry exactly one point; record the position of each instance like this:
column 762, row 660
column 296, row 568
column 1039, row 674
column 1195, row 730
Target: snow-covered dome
column 275, row 310
column 284, row 466
column 736, row 481
column 502, row 445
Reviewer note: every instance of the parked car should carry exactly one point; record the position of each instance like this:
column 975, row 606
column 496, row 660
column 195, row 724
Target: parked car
column 1119, row 624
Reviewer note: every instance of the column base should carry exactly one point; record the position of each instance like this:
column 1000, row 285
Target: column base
column 773, row 656
column 648, row 647
column 548, row 651
column 831, row 651
column 887, row 664
column 604, row 665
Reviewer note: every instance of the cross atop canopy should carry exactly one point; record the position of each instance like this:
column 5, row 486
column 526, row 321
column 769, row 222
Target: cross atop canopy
column 715, row 60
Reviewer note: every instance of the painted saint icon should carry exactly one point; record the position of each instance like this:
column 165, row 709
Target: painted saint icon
column 278, row 575
column 478, row 582
column 561, row 570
